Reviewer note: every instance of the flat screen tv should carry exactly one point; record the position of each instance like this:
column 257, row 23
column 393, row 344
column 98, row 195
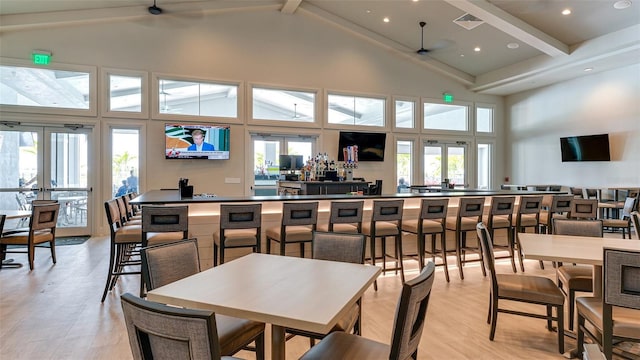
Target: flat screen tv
column 184, row 141
column 291, row 162
column 585, row 148
column 370, row 145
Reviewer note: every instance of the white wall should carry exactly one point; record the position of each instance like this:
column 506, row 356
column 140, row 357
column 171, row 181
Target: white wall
column 607, row 102
column 265, row 47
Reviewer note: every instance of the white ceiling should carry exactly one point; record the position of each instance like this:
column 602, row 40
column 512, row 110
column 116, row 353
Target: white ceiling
column 552, row 47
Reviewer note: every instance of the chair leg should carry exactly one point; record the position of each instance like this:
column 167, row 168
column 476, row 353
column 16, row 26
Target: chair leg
column 302, row 250
column 517, row 242
column 459, row 255
column 215, row 254
column 268, row 245
column 31, row 254
column 484, row 271
column 372, row 242
column 111, row 267
column 512, row 255
column 443, row 240
column 222, row 251
column 490, row 309
column 580, row 337
column 494, row 317
column 399, row 254
column 52, row 245
column 260, row 347
column 560, row 315
column 572, row 299
column 549, row 316
column 420, row 243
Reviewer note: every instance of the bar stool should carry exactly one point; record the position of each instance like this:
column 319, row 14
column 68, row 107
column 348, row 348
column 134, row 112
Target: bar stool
column 124, row 240
column 386, row 220
column 431, row 221
column 469, row 215
column 501, row 217
column 584, row 209
column 240, row 227
column 559, row 207
column 299, row 220
column 528, row 216
column 161, row 224
column 344, row 217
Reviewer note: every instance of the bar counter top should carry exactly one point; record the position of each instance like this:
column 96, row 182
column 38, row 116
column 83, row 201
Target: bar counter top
column 173, row 196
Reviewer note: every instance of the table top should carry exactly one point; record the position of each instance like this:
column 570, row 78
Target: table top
column 16, row 214
column 300, row 293
column 574, row 249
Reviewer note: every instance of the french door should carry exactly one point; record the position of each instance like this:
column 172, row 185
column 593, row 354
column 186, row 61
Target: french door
column 47, row 163
column 445, row 161
column 266, row 159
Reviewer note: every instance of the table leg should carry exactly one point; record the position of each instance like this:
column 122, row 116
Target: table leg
column 277, row 342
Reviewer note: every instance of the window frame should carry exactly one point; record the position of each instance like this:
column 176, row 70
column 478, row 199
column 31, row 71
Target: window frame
column 417, row 112
column 93, row 90
column 155, row 100
column 353, row 127
column 470, row 124
column 316, row 123
column 493, row 119
column 106, row 94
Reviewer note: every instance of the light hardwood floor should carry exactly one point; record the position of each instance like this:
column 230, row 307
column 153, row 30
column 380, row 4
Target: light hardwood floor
column 54, row 312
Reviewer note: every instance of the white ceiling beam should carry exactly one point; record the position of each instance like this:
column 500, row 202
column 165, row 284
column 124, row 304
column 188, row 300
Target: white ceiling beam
column 386, row 43
column 290, row 6
column 513, row 26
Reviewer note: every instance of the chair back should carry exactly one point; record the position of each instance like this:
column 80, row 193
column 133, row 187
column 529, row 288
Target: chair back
column 300, row 213
column 122, row 208
column 469, row 207
column 487, row 251
column 621, row 285
column 433, row 209
column 126, row 198
column 113, row 215
column 577, row 227
column 241, row 217
column 387, row 210
column 584, row 209
column 555, row 188
column 158, row 331
column 411, row 314
column 635, row 219
column 341, row 247
column 530, row 205
column 375, row 189
column 576, row 192
column 592, row 193
column 163, row 219
column 561, row 204
column 165, row 263
column 346, row 212
column 502, row 205
column 44, row 217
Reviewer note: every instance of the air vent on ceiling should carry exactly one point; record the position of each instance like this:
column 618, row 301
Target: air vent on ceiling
column 468, row 21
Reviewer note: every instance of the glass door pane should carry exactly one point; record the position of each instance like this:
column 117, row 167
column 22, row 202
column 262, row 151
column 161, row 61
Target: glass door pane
column 124, row 161
column 266, row 154
column 67, row 175
column 433, row 165
column 404, row 160
column 456, row 164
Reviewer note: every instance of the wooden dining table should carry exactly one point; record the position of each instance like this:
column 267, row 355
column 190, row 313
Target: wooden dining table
column 286, row 292
column 573, row 249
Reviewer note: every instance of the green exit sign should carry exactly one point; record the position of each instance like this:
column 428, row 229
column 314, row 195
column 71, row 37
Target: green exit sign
column 448, row 98
column 41, row 58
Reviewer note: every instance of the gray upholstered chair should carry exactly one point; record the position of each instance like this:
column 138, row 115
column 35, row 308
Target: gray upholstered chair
column 299, row 221
column 161, row 224
column 124, row 239
column 344, row 217
column 407, row 330
column 575, row 277
column 165, row 263
column 42, row 229
column 386, row 220
column 158, row 331
column 343, row 247
column 469, row 214
column 635, row 219
column 624, row 223
column 523, row 288
column 527, row 216
column 240, row 227
column 615, row 315
column 501, row 217
column 557, row 208
column 586, row 209
column 431, row 221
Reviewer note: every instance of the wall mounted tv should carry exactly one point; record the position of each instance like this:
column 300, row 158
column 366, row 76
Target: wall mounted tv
column 370, row 145
column 585, row 148
column 290, row 162
column 184, row 141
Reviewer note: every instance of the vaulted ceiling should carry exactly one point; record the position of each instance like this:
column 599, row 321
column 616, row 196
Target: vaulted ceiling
column 497, row 47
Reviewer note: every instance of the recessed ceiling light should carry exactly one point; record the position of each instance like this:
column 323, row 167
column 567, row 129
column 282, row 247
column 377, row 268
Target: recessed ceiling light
column 588, row 69
column 566, row 12
column 513, row 45
column 622, row 4
column 414, row 0
column 386, row 19
column 476, row 49
column 461, row 55
column 368, row 11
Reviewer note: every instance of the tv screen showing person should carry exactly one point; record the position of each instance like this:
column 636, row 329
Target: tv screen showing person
column 198, row 142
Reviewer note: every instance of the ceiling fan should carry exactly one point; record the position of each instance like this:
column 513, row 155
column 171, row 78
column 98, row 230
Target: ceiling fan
column 154, row 10
column 422, row 50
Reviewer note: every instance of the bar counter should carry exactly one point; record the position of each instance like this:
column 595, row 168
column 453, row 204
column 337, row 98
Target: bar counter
column 204, row 212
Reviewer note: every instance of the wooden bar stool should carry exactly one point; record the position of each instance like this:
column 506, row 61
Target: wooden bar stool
column 501, row 217
column 239, row 228
column 469, row 215
column 559, row 207
column 344, row 217
column 528, row 216
column 386, row 220
column 431, row 221
column 299, row 220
